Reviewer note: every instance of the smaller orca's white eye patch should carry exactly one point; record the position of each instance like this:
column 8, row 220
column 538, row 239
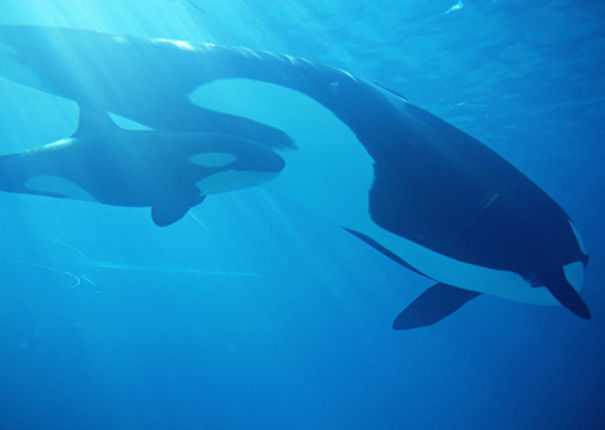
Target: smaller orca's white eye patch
column 57, row 185
column 574, row 272
column 212, row 159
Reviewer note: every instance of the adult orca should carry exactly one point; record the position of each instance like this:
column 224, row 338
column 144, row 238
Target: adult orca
column 167, row 171
column 407, row 183
column 146, row 80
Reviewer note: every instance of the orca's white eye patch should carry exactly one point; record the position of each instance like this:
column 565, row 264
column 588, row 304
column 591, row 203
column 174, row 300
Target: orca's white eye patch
column 329, row 159
column 212, row 159
column 57, row 185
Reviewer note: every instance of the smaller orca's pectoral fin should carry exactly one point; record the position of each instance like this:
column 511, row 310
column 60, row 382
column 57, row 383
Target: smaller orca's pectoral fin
column 433, row 305
column 168, row 212
column 565, row 293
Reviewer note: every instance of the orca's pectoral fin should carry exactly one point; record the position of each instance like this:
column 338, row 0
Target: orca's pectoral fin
column 569, row 297
column 165, row 213
column 432, row 306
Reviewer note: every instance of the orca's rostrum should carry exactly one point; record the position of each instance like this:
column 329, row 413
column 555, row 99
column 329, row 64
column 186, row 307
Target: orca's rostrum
column 407, row 183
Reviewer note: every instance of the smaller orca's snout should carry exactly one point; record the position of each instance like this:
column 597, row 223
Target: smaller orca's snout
column 275, row 163
column 232, row 163
column 236, row 153
column 258, row 158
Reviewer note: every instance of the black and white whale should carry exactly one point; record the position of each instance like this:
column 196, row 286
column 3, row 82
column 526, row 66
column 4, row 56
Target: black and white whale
column 166, row 171
column 412, row 186
column 145, row 80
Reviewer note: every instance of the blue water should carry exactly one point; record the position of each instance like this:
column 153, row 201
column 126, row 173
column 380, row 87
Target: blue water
column 250, row 313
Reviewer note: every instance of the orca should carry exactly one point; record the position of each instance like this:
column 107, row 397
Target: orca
column 145, row 80
column 166, row 171
column 415, row 188
column 405, row 182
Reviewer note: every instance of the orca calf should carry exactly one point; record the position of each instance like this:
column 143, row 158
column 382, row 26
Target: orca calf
column 169, row 172
column 417, row 189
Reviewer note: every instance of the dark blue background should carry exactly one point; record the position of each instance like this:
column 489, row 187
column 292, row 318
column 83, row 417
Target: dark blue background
column 252, row 313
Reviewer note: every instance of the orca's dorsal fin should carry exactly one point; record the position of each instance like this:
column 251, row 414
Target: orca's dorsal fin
column 94, row 122
column 432, row 306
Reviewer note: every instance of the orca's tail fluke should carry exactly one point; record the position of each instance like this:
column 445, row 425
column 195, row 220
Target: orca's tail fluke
column 565, row 293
